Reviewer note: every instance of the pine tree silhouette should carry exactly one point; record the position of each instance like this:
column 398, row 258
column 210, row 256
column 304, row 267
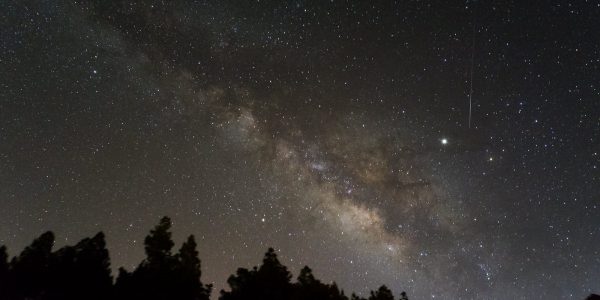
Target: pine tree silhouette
column 306, row 277
column 269, row 282
column 125, row 285
column 4, row 279
column 383, row 293
column 83, row 271
column 189, row 273
column 356, row 297
column 3, row 261
column 274, row 277
column 308, row 287
column 403, row 296
column 30, row 271
column 335, row 293
column 163, row 275
column 243, row 285
column 158, row 245
column 155, row 277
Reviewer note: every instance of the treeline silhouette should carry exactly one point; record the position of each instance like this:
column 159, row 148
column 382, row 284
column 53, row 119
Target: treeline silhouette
column 83, row 271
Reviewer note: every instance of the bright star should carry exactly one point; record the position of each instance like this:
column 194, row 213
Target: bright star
column 444, row 141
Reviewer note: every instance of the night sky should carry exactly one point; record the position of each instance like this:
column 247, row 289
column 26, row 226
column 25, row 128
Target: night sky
column 336, row 132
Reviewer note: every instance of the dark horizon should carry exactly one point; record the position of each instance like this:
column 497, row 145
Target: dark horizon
column 83, row 271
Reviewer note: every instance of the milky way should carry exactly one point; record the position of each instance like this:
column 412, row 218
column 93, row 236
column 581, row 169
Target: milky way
column 336, row 132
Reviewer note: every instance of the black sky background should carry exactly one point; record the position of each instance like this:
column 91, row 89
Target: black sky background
column 315, row 127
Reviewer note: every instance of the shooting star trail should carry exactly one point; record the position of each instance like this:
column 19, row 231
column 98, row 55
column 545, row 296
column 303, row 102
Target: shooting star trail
column 472, row 66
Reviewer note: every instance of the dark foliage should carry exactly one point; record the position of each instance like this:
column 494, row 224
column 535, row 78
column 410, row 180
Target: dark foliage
column 30, row 272
column 83, row 271
column 308, row 287
column 272, row 281
column 89, row 258
column 383, row 293
column 269, row 282
column 4, row 283
column 163, row 275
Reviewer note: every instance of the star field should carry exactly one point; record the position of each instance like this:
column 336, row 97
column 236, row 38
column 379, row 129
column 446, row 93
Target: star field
column 335, row 131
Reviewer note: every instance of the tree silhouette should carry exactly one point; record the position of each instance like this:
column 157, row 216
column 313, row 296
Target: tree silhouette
column 383, row 293
column 403, row 296
column 30, row 271
column 158, row 245
column 308, row 287
column 335, row 293
column 3, row 261
column 356, row 297
column 274, row 277
column 189, row 273
column 4, row 283
column 93, row 261
column 306, row 277
column 269, row 282
column 154, row 278
column 125, row 285
column 243, row 285
column 163, row 275
column 83, row 271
